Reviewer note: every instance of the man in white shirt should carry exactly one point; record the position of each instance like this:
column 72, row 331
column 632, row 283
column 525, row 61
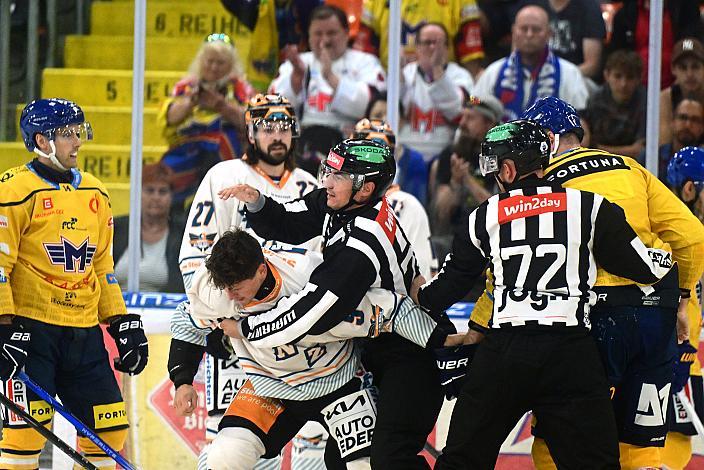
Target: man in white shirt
column 432, row 94
column 532, row 70
column 332, row 85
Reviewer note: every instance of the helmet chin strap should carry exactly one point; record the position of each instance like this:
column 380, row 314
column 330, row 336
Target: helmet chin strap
column 52, row 156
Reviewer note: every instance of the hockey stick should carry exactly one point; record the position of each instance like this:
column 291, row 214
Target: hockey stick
column 80, row 427
column 691, row 412
column 50, row 436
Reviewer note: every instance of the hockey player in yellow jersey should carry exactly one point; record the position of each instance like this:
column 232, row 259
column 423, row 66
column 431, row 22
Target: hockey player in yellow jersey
column 685, row 176
column 634, row 328
column 56, row 286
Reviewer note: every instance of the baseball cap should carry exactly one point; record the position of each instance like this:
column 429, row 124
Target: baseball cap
column 488, row 105
column 688, row 47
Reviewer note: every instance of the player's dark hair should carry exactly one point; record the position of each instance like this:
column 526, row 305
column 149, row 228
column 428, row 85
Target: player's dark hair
column 323, row 12
column 235, row 258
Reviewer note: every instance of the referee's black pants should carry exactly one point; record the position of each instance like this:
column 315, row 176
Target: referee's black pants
column 558, row 375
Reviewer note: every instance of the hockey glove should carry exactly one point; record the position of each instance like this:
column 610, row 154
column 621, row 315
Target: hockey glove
column 218, row 344
column 14, row 342
column 128, row 333
column 685, row 358
column 453, row 362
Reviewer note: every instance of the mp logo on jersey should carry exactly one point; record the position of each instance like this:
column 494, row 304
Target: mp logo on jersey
column 73, row 258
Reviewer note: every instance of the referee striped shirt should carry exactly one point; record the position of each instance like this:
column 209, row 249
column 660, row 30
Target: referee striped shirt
column 542, row 245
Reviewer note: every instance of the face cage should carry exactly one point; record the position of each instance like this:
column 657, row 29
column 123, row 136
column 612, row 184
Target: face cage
column 83, row 131
column 325, row 171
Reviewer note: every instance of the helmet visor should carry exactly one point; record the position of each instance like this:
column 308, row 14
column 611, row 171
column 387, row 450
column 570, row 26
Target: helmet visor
column 83, row 131
column 489, row 156
column 325, row 172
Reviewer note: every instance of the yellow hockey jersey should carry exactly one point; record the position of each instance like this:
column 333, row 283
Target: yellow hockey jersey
column 56, row 249
column 656, row 215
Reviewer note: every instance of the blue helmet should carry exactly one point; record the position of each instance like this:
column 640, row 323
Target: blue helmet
column 686, row 165
column 555, row 115
column 45, row 116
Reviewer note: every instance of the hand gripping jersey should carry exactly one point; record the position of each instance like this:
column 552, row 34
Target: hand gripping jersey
column 55, row 249
column 318, row 103
column 459, row 17
column 543, row 245
column 313, row 365
column 210, row 216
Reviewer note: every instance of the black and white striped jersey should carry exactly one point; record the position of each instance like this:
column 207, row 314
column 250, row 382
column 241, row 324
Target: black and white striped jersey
column 543, row 245
column 363, row 247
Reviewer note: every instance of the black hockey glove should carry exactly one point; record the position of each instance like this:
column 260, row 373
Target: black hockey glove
column 453, row 362
column 128, row 333
column 14, row 342
column 218, row 344
column 685, row 358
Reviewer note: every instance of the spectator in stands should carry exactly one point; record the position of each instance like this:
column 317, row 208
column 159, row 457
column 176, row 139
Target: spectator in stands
column 203, row 120
column 688, row 69
column 681, row 19
column 432, row 94
column 331, row 85
column 160, row 239
column 617, row 110
column 460, row 18
column 458, row 187
column 411, row 169
column 532, row 70
column 578, row 32
column 687, row 131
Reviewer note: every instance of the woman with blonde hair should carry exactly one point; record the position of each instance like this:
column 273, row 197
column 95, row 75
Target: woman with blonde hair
column 203, row 119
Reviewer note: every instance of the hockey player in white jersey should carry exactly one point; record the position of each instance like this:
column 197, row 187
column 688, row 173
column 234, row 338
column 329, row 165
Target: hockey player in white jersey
column 272, row 129
column 290, row 382
column 410, row 212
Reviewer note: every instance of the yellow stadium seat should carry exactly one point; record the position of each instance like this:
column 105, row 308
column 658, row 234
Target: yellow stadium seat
column 110, row 163
column 97, row 87
column 112, row 125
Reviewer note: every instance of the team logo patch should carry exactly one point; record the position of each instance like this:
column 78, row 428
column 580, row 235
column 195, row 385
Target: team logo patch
column 3, row 222
column 519, row 207
column 73, row 258
column 201, row 241
column 3, row 278
column 93, row 204
column 47, row 203
column 110, row 278
column 335, row 161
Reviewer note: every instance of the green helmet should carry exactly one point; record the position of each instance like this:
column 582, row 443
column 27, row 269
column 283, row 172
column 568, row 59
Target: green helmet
column 524, row 142
column 364, row 160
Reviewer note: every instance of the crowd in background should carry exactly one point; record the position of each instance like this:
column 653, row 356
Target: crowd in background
column 466, row 65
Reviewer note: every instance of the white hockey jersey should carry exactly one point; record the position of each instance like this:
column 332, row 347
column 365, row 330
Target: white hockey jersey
column 318, row 103
column 432, row 109
column 210, row 216
column 414, row 221
column 312, row 366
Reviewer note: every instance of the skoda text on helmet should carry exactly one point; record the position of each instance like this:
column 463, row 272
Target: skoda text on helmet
column 49, row 117
column 556, row 115
column 362, row 161
column 375, row 129
column 686, row 165
column 524, row 142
